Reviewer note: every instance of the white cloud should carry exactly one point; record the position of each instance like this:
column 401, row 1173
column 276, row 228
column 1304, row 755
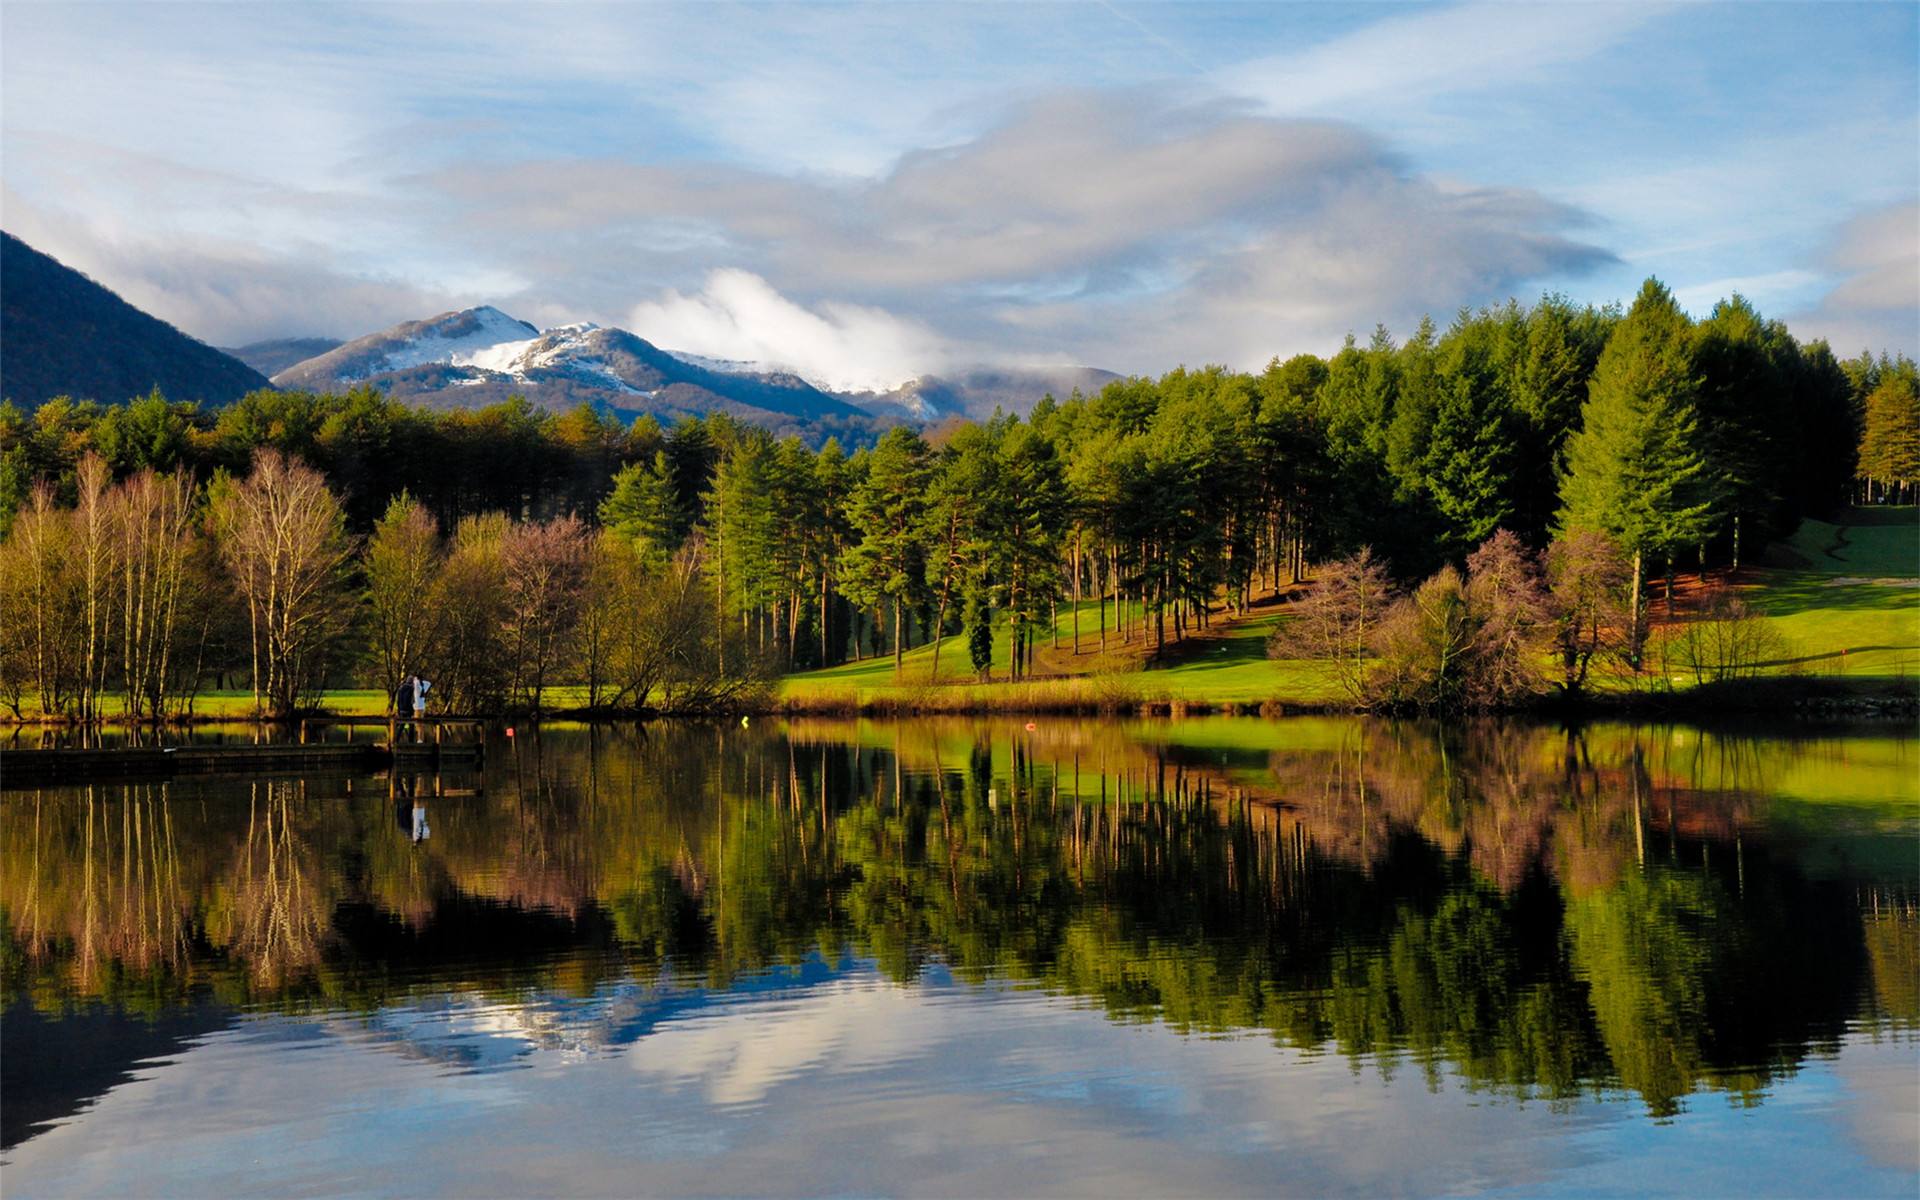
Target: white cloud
column 1127, row 231
column 1876, row 303
column 1469, row 47
column 739, row 315
column 1766, row 292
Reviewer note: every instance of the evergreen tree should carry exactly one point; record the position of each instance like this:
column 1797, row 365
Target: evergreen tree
column 644, row 507
column 888, row 510
column 1826, row 434
column 1634, row 470
column 1548, row 377
column 833, row 478
column 1746, row 367
column 1468, row 467
column 742, row 529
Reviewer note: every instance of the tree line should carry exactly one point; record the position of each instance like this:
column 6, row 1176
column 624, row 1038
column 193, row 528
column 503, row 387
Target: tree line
column 341, row 535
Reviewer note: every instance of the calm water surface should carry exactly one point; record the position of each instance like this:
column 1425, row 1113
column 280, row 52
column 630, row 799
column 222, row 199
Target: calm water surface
column 1219, row 957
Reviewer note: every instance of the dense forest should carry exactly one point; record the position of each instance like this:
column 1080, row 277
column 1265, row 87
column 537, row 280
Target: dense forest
column 1563, row 454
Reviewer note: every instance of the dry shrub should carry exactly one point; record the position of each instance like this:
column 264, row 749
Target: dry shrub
column 1466, row 642
column 1729, row 641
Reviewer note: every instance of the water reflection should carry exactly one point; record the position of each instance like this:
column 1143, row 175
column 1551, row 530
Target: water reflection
column 1534, row 913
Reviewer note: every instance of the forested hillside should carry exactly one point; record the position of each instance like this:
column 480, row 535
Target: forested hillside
column 63, row 334
column 1564, row 455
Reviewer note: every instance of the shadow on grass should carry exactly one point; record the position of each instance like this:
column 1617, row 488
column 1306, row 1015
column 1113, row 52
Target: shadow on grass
column 1777, row 597
column 1833, row 655
column 1884, row 514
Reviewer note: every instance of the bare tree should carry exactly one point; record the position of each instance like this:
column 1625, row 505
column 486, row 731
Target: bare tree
column 282, row 537
column 1587, row 578
column 1338, row 619
column 154, row 533
column 546, row 575
column 1510, row 615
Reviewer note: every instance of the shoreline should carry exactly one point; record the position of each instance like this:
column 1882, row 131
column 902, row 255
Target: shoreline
column 1823, row 699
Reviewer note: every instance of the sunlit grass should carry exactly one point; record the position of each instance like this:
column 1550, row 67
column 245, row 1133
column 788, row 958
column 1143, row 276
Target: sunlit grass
column 1224, row 665
column 1848, row 605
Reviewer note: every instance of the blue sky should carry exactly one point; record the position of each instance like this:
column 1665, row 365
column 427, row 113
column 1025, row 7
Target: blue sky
column 872, row 192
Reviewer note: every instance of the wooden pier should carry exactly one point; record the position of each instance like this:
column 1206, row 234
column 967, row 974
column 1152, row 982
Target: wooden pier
column 52, row 768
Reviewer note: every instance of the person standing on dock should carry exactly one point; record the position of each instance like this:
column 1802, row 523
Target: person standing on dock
column 420, row 689
column 403, row 698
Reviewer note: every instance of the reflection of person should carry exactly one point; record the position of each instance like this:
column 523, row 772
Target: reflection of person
column 420, row 830
column 400, row 791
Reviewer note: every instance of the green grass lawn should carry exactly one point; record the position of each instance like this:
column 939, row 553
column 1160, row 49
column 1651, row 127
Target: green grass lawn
column 237, row 704
column 1224, row 665
column 1843, row 597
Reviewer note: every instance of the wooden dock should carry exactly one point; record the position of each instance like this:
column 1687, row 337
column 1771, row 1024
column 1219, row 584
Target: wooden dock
column 52, row 768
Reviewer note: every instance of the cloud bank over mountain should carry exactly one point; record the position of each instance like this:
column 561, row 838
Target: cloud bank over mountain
column 869, row 194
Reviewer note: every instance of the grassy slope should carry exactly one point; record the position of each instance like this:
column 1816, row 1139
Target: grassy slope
column 1848, row 587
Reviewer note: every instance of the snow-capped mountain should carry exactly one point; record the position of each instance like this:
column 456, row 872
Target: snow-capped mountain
column 481, row 354
column 727, row 366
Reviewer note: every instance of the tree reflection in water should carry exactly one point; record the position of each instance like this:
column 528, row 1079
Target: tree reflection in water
column 1536, row 912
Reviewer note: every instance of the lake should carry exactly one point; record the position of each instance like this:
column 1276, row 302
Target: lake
column 969, row 957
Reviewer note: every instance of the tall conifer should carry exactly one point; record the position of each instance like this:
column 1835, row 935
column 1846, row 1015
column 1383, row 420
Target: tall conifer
column 1635, row 469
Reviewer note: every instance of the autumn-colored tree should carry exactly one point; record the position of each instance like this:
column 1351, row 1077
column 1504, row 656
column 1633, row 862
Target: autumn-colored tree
column 469, row 668
column 1587, row 580
column 1890, row 435
column 156, row 539
column 1338, row 620
column 546, row 566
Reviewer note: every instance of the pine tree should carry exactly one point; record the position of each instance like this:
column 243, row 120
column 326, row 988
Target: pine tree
column 1890, row 437
column 1635, row 470
column 1469, row 469
column 1746, row 365
column 888, row 510
column 644, row 507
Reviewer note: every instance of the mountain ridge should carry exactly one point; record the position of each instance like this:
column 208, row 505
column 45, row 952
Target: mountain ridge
column 67, row 334
column 457, row 356
column 62, row 333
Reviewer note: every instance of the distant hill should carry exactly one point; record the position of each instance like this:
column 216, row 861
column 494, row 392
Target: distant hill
column 977, row 391
column 480, row 355
column 63, row 334
column 272, row 357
